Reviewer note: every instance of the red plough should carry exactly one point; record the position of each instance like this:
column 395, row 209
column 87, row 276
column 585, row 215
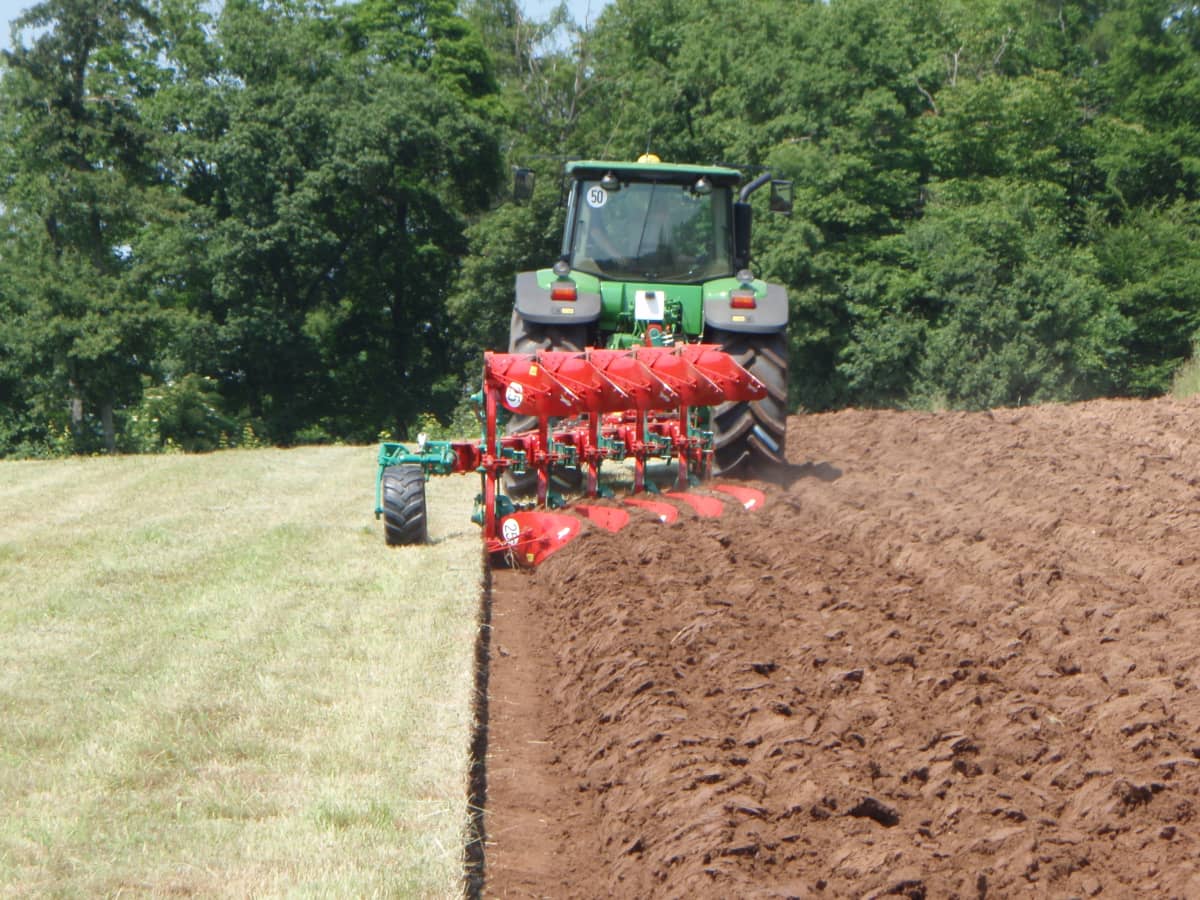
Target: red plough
column 591, row 407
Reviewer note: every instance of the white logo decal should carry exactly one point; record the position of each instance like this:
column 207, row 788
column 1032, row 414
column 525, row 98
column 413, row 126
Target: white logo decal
column 514, row 395
column 510, row 531
column 597, row 197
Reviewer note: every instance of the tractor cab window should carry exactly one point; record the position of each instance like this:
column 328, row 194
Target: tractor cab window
column 651, row 232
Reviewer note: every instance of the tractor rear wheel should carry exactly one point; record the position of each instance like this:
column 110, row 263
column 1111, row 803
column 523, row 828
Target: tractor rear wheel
column 404, row 505
column 748, row 433
column 529, row 337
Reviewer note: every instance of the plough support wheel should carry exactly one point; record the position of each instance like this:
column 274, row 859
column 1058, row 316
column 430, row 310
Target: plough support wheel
column 404, row 505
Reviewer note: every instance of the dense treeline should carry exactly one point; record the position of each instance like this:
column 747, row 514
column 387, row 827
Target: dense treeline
column 286, row 221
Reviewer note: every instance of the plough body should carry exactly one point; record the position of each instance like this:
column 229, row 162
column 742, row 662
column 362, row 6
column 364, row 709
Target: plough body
column 593, row 406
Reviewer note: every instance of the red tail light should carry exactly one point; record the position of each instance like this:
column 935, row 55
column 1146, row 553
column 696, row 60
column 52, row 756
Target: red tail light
column 742, row 299
column 563, row 290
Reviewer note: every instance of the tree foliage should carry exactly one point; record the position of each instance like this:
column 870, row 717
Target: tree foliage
column 290, row 217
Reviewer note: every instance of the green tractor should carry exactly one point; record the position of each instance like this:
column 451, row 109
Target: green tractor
column 659, row 254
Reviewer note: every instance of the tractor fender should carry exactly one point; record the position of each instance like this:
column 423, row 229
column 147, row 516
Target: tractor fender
column 769, row 315
column 533, row 302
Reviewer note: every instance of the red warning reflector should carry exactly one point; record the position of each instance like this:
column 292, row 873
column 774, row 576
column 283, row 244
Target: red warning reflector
column 532, row 536
column 665, row 512
column 750, row 498
column 742, row 299
column 607, row 517
column 709, row 507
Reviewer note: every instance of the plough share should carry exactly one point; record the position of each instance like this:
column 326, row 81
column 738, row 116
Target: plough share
column 591, row 407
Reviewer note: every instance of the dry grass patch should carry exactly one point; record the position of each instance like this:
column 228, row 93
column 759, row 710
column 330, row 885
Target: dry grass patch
column 216, row 679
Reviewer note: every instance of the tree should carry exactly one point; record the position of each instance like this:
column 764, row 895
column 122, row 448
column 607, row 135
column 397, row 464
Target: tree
column 83, row 181
column 352, row 142
column 545, row 89
column 293, row 218
column 1150, row 265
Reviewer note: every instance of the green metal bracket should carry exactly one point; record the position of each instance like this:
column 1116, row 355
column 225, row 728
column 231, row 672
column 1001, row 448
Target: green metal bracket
column 504, row 507
column 434, row 457
column 660, row 447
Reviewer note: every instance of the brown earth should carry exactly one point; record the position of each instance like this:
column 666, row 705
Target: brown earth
column 954, row 656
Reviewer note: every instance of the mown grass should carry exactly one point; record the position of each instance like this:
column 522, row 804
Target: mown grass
column 215, row 679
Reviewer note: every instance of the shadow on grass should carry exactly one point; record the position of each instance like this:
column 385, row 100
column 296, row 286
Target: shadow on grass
column 473, row 853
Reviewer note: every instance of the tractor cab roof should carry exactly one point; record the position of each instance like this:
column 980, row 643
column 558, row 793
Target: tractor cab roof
column 589, row 169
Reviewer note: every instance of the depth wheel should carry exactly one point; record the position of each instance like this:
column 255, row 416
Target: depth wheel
column 529, row 337
column 745, row 434
column 404, row 505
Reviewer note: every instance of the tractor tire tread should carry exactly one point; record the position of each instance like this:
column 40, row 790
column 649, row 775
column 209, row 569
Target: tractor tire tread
column 404, row 517
column 739, row 428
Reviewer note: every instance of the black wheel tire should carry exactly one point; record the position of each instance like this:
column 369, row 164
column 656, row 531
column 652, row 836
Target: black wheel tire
column 746, row 434
column 404, row 505
column 529, row 337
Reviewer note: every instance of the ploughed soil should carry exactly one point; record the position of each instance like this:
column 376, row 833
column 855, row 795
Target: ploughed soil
column 955, row 655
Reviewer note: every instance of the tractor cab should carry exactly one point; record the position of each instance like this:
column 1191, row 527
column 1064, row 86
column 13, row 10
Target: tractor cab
column 648, row 222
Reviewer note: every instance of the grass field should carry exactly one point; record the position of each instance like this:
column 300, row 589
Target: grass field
column 215, row 679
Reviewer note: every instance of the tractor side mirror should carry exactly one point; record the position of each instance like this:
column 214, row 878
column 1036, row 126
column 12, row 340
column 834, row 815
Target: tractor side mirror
column 523, row 180
column 781, row 196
